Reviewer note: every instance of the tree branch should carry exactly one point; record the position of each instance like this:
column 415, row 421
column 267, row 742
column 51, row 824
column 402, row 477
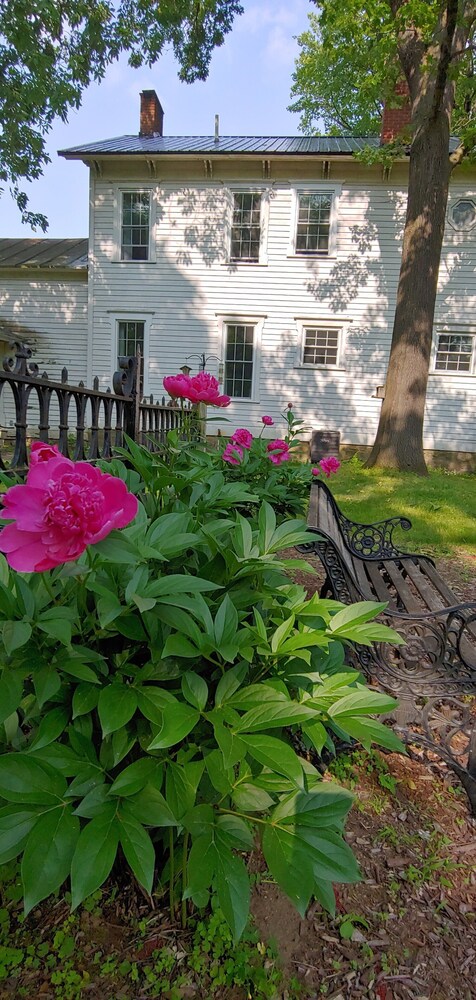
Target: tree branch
column 446, row 53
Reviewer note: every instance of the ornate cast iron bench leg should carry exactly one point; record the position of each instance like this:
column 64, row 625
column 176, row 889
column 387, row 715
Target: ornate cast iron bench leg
column 434, row 678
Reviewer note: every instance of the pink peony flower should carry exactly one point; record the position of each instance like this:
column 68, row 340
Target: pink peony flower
column 62, row 508
column 242, row 437
column 329, row 465
column 267, row 421
column 233, row 454
column 176, row 386
column 41, row 452
column 315, row 472
column 204, row 388
column 279, row 450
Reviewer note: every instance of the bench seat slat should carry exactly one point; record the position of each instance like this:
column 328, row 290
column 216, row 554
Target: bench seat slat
column 431, row 597
column 408, row 599
column 377, row 583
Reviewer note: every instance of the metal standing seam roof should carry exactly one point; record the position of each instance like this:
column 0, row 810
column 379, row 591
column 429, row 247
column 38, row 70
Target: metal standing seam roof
column 208, row 145
column 44, row 253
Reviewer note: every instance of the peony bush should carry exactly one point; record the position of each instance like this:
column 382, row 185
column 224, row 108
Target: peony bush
column 166, row 691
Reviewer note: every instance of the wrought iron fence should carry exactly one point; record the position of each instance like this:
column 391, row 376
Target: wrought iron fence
column 85, row 423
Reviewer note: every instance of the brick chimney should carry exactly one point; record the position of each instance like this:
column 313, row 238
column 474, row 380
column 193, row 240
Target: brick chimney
column 395, row 119
column 151, row 114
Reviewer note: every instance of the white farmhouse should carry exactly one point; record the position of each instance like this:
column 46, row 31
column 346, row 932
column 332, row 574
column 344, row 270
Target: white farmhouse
column 276, row 259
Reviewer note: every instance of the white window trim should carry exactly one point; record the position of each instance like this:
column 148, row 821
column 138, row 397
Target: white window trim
column 455, row 329
column 119, row 190
column 328, row 324
column 258, row 322
column 131, row 317
column 264, row 191
column 326, row 187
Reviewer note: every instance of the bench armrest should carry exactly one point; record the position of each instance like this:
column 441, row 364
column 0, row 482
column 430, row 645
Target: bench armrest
column 373, row 541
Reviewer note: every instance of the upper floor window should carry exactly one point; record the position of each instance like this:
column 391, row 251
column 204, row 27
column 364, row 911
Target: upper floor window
column 462, row 214
column 135, row 225
column 313, row 226
column 455, row 352
column 246, row 226
column 320, row 345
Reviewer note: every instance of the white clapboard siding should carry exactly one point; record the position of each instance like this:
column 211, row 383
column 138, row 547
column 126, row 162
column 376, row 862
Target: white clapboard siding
column 56, row 312
column 182, row 294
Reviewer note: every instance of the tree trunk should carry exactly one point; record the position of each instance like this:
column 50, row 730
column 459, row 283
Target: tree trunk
column 399, row 440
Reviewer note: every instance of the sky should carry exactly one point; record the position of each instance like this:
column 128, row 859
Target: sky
column 248, row 87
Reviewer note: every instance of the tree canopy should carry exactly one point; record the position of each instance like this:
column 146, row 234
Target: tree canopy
column 50, row 50
column 351, row 59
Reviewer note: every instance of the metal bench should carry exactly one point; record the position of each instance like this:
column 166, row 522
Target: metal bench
column 434, row 674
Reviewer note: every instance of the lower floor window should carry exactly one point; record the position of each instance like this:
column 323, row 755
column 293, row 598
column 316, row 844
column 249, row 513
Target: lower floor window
column 320, row 345
column 239, row 360
column 130, row 338
column 454, row 352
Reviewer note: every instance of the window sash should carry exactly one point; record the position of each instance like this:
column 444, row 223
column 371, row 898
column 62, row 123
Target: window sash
column 320, row 346
column 130, row 338
column 239, row 360
column 135, row 228
column 454, row 352
column 313, row 223
column 246, row 226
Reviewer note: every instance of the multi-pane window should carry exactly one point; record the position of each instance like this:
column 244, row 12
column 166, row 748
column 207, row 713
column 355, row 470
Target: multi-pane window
column 313, row 223
column 320, row 346
column 246, row 226
column 135, row 229
column 454, row 352
column 239, row 360
column 130, row 338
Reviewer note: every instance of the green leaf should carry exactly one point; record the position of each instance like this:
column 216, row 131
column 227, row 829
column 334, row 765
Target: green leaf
column 15, row 635
column 181, row 786
column 275, row 754
column 48, row 854
column 77, row 669
column 233, row 890
column 249, row 798
column 178, row 720
column 369, row 731
column 230, row 682
column 47, row 683
column 235, row 830
column 94, row 802
column 325, row 806
column 85, row 699
column 11, row 692
column 136, row 776
column 16, row 822
column 152, row 700
column 138, row 849
column 25, row 780
column 51, row 726
column 26, row 596
column 179, row 645
column 232, row 748
column 226, row 623
column 317, row 733
column 181, row 583
column 117, row 704
column 361, row 701
column 94, row 855
column 150, row 807
column 267, row 525
column 274, row 715
column 117, row 548
column 57, row 629
column 202, row 864
column 132, row 627
column 355, row 614
column 194, row 689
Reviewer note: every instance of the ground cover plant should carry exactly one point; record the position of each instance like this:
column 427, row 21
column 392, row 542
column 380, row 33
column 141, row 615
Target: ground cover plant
column 154, row 688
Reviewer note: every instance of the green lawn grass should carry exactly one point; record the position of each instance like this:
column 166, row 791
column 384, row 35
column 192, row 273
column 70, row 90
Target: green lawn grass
column 441, row 506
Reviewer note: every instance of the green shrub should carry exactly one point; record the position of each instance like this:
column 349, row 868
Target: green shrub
column 152, row 693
